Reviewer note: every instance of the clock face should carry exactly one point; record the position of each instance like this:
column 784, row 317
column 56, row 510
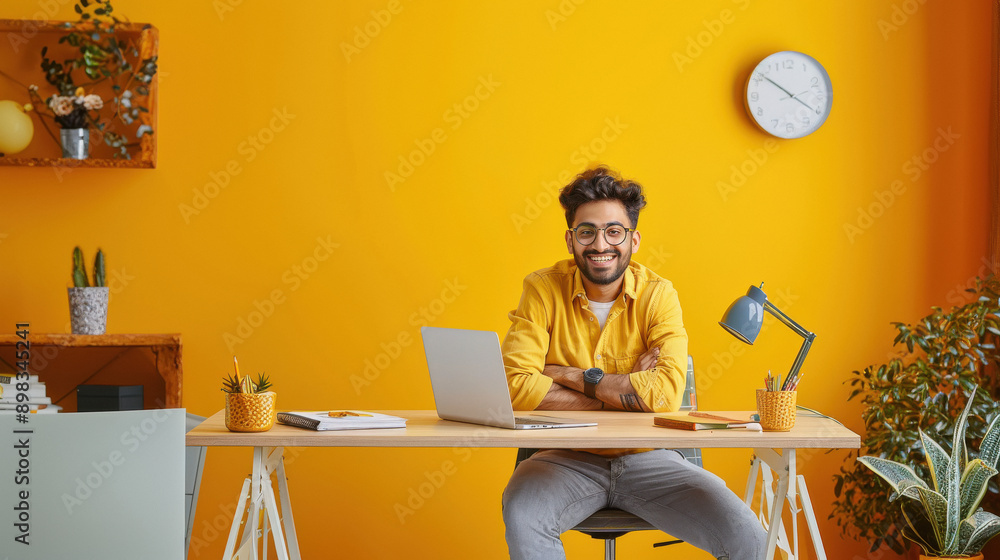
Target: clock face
column 789, row 94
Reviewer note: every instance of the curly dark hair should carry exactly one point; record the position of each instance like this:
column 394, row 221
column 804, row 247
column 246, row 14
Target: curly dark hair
column 601, row 183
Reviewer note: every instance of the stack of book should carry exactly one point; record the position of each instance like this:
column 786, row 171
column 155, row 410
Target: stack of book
column 38, row 401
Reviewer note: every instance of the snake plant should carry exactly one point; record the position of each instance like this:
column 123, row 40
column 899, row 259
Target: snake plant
column 944, row 518
column 80, row 271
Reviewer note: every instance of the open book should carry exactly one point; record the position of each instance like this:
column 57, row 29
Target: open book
column 702, row 421
column 341, row 420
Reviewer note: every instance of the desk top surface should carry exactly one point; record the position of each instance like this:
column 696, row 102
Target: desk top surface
column 624, row 430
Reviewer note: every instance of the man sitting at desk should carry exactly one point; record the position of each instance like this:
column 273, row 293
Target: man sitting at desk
column 600, row 332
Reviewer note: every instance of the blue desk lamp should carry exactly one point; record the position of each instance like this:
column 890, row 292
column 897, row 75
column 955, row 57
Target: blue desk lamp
column 745, row 317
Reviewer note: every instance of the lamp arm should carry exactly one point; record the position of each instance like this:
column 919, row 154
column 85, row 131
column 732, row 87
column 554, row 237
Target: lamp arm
column 793, row 374
column 787, row 320
column 806, row 344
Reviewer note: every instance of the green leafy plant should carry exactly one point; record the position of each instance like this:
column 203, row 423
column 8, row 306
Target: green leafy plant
column 80, row 271
column 235, row 383
column 944, row 518
column 106, row 59
column 947, row 355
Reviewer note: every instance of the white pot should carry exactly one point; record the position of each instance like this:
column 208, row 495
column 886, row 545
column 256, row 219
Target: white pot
column 88, row 310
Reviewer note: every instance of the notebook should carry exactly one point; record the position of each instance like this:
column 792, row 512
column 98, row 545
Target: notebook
column 469, row 383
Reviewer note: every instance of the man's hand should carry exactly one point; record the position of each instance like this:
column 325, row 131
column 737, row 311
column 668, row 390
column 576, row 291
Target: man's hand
column 647, row 360
column 562, row 398
column 614, row 391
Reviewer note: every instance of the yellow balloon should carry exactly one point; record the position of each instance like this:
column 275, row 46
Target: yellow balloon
column 16, row 128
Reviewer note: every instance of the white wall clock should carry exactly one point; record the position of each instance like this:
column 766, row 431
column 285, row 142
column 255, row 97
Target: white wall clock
column 789, row 94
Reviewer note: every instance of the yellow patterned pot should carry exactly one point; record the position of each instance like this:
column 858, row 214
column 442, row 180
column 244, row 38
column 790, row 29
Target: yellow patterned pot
column 251, row 412
column 776, row 409
column 976, row 557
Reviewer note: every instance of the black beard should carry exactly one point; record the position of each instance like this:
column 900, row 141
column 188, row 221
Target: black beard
column 584, row 265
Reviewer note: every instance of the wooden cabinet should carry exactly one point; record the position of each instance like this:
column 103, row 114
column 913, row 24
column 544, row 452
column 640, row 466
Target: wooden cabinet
column 64, row 361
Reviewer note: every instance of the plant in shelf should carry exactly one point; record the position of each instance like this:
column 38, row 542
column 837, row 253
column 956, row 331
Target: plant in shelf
column 94, row 54
column 947, row 355
column 72, row 112
column 88, row 305
column 944, row 517
column 250, row 407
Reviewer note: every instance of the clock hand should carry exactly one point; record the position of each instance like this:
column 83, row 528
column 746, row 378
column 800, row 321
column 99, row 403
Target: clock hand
column 790, row 94
column 793, row 96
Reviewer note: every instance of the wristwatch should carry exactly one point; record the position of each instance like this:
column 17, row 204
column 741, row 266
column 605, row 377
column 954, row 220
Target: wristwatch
column 591, row 377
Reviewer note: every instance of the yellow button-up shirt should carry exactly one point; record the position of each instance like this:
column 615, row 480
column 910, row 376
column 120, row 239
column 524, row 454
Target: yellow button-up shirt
column 553, row 324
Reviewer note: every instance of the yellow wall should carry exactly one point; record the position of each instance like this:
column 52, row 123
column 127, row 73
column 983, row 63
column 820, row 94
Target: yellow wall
column 449, row 244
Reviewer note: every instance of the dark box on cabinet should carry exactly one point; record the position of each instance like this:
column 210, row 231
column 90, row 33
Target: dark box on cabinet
column 100, row 398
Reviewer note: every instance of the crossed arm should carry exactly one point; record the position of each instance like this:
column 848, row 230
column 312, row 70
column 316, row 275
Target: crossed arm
column 614, row 391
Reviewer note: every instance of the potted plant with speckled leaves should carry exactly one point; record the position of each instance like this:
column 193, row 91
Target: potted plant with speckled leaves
column 88, row 304
column 944, row 517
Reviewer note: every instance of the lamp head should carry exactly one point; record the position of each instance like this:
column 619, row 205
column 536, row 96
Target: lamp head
column 745, row 316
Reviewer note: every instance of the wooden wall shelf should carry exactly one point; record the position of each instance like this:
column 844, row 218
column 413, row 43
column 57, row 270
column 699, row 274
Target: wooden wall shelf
column 64, row 361
column 21, row 43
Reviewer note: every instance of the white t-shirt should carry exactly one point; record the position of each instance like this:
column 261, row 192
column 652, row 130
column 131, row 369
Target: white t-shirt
column 601, row 309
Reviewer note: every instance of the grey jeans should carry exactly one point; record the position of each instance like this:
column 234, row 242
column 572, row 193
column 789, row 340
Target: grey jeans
column 555, row 489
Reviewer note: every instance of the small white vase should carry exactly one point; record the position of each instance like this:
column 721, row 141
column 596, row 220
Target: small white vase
column 88, row 310
column 75, row 142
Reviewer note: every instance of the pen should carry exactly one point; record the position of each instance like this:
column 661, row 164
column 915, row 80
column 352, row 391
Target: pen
column 797, row 379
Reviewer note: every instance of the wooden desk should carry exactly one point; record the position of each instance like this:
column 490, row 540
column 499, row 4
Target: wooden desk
column 64, row 361
column 614, row 430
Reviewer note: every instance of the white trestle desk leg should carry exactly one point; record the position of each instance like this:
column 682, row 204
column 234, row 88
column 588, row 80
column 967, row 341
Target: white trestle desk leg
column 237, row 518
column 774, row 505
column 248, row 538
column 811, row 520
column 752, row 481
column 791, row 488
column 274, row 459
column 272, row 511
column 256, row 501
column 287, row 521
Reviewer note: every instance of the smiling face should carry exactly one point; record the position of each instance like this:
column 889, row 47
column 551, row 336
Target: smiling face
column 601, row 263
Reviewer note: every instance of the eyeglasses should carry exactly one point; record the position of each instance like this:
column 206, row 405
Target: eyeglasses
column 586, row 234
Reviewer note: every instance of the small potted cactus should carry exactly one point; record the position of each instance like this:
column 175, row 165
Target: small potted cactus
column 250, row 407
column 88, row 305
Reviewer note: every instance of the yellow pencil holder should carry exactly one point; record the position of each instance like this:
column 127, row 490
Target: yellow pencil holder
column 776, row 409
column 250, row 412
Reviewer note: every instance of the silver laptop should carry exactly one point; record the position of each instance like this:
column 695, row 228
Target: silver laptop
column 469, row 383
